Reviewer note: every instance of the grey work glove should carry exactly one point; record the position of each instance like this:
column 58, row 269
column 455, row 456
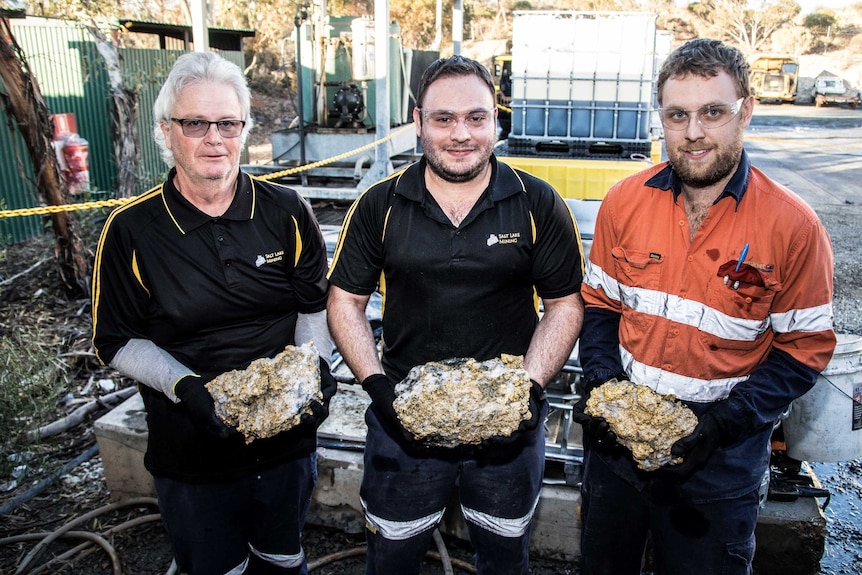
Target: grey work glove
column 201, row 408
column 320, row 409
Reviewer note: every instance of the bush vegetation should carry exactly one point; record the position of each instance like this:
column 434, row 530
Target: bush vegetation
column 31, row 378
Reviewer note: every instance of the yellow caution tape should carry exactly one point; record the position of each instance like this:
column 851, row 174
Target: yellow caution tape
column 43, row 210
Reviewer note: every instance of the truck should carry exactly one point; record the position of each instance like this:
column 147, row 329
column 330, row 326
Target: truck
column 774, row 77
column 832, row 89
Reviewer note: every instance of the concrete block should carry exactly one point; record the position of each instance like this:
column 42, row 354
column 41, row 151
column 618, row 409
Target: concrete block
column 791, row 538
column 335, row 501
column 122, row 437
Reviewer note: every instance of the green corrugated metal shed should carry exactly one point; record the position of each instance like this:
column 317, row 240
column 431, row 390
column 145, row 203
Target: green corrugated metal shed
column 72, row 79
column 64, row 61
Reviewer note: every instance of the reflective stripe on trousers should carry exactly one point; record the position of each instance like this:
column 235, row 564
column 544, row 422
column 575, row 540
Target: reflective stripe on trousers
column 406, row 490
column 501, row 526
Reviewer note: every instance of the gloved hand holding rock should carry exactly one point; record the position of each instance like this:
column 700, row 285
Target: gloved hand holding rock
column 193, row 394
column 320, row 409
column 597, row 429
column 537, row 397
column 715, row 428
column 382, row 393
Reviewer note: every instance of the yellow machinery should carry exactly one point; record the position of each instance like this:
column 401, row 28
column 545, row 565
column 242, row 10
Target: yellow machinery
column 774, row 77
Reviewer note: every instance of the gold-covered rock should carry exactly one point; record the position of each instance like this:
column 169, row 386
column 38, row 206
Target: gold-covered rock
column 464, row 401
column 645, row 422
column 271, row 395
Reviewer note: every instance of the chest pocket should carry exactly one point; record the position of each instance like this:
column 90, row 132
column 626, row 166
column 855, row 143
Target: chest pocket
column 742, row 318
column 639, row 275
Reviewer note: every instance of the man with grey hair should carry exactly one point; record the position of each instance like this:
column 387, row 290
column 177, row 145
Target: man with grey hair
column 199, row 276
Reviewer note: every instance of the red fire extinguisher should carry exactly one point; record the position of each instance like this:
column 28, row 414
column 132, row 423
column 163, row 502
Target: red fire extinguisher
column 72, row 153
column 76, row 154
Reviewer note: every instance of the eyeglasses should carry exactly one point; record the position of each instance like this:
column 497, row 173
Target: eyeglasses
column 709, row 117
column 199, row 128
column 445, row 120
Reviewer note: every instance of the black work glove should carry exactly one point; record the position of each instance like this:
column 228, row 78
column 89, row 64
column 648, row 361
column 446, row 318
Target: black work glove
column 596, row 429
column 199, row 403
column 715, row 428
column 382, row 393
column 537, row 397
column 320, row 409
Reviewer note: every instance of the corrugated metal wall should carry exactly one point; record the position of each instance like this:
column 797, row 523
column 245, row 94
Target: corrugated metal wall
column 16, row 187
column 72, row 78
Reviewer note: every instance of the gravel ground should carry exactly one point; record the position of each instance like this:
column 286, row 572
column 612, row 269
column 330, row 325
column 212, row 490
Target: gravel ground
column 843, row 551
column 815, row 152
column 844, row 223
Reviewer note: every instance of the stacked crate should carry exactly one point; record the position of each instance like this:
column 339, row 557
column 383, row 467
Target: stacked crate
column 583, row 83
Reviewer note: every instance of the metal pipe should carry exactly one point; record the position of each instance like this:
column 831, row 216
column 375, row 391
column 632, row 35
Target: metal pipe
column 457, row 26
column 357, row 166
column 301, row 15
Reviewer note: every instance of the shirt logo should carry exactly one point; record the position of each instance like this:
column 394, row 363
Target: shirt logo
column 507, row 238
column 269, row 258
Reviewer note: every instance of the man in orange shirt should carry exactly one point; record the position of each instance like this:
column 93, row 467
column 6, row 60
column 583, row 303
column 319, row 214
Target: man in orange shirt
column 710, row 282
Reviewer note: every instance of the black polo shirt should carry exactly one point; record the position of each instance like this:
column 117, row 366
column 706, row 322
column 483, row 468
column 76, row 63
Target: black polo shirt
column 466, row 291
column 215, row 293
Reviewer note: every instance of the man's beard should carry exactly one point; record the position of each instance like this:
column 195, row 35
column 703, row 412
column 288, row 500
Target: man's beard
column 464, row 172
column 723, row 165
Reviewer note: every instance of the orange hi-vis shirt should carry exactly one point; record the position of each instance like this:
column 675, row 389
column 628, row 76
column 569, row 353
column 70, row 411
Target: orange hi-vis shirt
column 687, row 327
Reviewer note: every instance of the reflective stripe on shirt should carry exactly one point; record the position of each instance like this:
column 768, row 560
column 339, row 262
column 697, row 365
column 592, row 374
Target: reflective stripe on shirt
column 681, row 386
column 677, row 309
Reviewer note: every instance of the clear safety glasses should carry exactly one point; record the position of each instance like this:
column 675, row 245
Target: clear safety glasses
column 709, row 117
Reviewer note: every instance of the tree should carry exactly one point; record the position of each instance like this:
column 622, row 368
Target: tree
column 124, row 114
column 417, row 19
column 23, row 102
column 820, row 22
column 824, row 28
column 748, row 25
column 794, row 40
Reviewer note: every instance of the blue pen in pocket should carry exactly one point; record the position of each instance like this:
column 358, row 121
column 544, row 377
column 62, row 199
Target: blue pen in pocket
column 741, row 257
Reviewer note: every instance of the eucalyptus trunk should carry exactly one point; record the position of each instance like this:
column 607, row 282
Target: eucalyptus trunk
column 24, row 105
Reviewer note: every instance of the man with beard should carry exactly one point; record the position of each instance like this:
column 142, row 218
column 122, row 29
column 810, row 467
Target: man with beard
column 462, row 247
column 710, row 282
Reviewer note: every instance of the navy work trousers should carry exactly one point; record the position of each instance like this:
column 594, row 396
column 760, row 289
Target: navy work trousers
column 711, row 538
column 405, row 490
column 252, row 525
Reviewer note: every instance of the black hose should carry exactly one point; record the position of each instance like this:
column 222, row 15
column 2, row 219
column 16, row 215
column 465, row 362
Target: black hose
column 38, row 549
